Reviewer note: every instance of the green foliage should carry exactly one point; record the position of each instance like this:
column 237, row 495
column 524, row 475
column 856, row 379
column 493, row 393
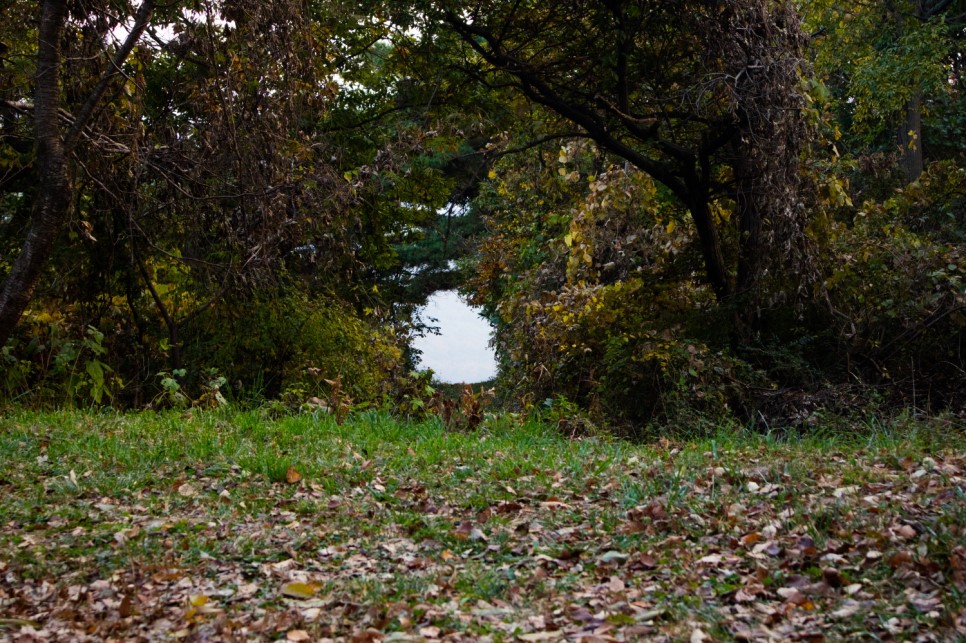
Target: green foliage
column 413, row 395
column 875, row 59
column 897, row 288
column 52, row 361
column 171, row 389
column 228, row 166
column 291, row 342
column 259, row 206
column 601, row 305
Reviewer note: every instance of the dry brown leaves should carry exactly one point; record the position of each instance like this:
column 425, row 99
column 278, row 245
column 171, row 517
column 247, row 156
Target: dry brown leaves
column 734, row 547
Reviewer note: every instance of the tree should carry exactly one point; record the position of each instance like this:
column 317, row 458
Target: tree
column 53, row 147
column 703, row 97
column 892, row 71
column 203, row 184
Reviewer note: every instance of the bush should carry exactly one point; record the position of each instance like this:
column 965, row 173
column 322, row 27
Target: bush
column 292, row 343
column 612, row 315
column 896, row 290
column 53, row 361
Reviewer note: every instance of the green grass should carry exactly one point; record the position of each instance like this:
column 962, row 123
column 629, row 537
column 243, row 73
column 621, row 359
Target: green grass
column 160, row 525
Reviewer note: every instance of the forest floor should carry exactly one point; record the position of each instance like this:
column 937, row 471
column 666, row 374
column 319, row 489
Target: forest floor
column 236, row 526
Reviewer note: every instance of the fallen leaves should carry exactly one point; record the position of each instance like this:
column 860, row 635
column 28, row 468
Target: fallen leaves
column 772, row 545
column 301, row 591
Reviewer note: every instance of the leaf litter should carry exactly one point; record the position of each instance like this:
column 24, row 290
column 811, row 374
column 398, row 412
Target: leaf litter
column 655, row 543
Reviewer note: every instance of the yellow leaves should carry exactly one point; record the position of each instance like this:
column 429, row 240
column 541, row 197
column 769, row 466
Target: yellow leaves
column 720, row 214
column 300, row 591
column 671, row 226
column 198, row 600
column 44, row 317
column 200, row 605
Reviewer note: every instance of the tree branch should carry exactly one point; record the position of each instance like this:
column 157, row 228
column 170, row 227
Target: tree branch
column 86, row 112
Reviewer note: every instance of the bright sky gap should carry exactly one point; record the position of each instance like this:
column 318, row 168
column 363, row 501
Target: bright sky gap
column 461, row 352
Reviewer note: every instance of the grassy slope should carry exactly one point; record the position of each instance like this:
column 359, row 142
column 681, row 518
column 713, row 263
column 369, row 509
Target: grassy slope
column 158, row 526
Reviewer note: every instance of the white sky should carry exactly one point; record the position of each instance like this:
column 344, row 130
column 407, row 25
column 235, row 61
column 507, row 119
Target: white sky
column 461, row 353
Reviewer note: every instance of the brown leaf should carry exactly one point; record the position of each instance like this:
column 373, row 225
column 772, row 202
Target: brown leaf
column 292, row 476
column 568, row 553
column 907, row 532
column 554, row 503
column 647, row 561
column 463, row 531
column 745, row 595
column 899, row 559
column 541, row 636
column 793, row 595
column 126, row 608
column 807, row 546
column 633, row 527
column 832, row 577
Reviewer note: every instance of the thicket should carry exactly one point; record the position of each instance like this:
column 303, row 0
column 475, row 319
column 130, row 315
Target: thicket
column 603, row 304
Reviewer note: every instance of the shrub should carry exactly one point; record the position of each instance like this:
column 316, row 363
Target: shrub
column 52, row 360
column 293, row 343
column 611, row 315
column 896, row 290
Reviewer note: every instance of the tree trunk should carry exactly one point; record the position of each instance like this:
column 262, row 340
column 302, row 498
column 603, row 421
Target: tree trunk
column 54, row 193
column 714, row 262
column 910, row 139
column 52, row 172
column 751, row 248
